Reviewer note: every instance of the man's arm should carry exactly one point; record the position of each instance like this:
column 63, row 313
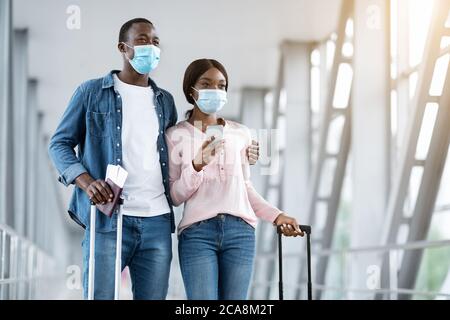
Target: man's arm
column 174, row 117
column 98, row 191
column 70, row 132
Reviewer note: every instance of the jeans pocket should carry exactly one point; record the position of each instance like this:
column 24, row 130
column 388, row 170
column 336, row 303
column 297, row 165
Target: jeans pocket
column 246, row 225
column 99, row 124
column 194, row 226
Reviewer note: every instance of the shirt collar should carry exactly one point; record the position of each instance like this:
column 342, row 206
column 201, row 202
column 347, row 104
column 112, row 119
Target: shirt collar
column 108, row 82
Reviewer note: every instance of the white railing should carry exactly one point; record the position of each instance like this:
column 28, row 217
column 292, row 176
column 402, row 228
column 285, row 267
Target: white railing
column 22, row 266
column 394, row 250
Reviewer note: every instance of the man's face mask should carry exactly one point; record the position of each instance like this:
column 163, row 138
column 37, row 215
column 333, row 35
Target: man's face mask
column 146, row 58
column 211, row 101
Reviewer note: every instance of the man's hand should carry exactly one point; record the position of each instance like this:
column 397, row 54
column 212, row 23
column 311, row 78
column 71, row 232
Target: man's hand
column 98, row 191
column 253, row 153
column 288, row 226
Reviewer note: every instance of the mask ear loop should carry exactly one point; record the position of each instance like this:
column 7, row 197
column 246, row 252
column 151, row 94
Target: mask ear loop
column 192, row 96
column 126, row 56
column 128, row 45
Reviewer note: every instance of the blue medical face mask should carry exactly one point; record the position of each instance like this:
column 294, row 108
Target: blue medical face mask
column 211, row 101
column 146, row 58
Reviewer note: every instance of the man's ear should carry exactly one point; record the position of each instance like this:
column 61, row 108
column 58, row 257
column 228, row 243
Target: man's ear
column 121, row 47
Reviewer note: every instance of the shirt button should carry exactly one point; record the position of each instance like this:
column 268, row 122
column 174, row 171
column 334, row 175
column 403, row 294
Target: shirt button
column 118, row 144
column 118, row 160
column 162, row 132
column 160, row 115
column 162, row 149
column 118, row 96
column 118, row 110
column 118, row 128
column 164, row 164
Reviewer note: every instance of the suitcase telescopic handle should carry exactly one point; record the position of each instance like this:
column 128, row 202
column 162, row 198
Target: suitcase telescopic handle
column 118, row 270
column 306, row 229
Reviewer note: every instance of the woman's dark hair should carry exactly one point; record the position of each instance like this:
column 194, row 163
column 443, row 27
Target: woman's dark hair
column 195, row 70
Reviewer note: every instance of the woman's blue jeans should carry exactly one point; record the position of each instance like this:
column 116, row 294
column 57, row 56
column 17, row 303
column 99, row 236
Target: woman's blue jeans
column 216, row 258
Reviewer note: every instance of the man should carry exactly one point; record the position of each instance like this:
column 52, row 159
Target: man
column 121, row 119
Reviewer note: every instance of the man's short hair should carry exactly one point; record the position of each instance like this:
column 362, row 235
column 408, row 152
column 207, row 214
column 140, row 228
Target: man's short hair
column 123, row 34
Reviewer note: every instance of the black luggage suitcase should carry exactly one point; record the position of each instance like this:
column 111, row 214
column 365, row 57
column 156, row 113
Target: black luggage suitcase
column 307, row 231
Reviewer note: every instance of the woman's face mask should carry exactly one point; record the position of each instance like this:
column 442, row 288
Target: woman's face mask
column 146, row 58
column 211, row 101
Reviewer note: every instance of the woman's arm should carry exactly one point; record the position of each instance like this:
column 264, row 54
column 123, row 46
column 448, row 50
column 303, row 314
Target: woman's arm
column 260, row 206
column 264, row 209
column 184, row 180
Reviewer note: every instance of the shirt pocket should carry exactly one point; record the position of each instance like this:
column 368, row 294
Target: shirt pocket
column 99, row 124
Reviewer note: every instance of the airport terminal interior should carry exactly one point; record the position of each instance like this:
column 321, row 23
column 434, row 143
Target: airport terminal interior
column 349, row 100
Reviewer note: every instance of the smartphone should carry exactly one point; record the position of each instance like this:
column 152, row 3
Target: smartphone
column 215, row 131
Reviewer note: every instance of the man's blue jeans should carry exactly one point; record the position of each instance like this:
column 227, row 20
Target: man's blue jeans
column 146, row 250
column 216, row 258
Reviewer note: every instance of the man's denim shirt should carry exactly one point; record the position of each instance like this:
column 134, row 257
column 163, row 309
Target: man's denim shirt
column 93, row 123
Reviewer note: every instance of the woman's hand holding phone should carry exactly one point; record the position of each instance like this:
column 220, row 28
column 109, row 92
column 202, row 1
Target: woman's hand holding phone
column 208, row 151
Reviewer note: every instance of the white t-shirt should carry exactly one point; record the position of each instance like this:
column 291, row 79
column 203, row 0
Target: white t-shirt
column 144, row 194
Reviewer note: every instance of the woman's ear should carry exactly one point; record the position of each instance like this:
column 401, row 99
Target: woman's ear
column 192, row 93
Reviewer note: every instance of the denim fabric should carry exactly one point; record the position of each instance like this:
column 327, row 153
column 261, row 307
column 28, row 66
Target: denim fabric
column 146, row 250
column 93, row 123
column 216, row 258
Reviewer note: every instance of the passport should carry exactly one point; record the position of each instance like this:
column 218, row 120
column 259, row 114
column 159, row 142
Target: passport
column 115, row 178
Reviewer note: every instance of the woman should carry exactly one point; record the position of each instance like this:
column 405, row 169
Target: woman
column 211, row 177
